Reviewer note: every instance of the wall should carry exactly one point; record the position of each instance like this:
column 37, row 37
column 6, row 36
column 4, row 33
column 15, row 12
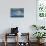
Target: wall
column 6, row 22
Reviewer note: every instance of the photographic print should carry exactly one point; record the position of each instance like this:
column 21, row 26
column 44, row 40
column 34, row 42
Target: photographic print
column 17, row 12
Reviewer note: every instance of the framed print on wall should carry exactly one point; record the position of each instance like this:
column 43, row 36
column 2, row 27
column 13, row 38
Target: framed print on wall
column 41, row 12
column 17, row 12
column 41, row 8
